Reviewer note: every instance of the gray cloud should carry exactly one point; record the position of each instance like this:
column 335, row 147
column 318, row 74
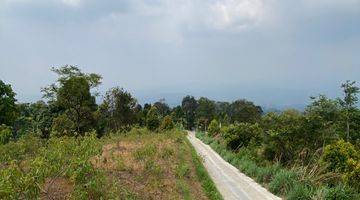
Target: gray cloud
column 218, row 48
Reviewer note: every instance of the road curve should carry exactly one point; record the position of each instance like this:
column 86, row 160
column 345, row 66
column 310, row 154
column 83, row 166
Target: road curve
column 231, row 183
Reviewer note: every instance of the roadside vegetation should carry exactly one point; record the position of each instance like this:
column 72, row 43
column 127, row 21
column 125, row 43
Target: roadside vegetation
column 312, row 154
column 78, row 144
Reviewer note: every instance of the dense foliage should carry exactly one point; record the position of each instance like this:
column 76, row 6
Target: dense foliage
column 306, row 154
column 312, row 154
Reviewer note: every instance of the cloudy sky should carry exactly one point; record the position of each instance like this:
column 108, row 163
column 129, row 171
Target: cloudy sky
column 274, row 52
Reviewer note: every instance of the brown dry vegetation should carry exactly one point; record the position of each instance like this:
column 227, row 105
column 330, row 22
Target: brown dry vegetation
column 135, row 165
column 151, row 166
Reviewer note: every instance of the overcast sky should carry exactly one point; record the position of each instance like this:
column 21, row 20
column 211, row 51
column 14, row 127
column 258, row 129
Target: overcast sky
column 274, row 52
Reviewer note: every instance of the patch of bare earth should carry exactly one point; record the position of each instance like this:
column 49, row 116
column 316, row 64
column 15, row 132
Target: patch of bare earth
column 56, row 189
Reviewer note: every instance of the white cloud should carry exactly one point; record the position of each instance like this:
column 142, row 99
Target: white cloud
column 236, row 14
column 217, row 14
column 73, row 3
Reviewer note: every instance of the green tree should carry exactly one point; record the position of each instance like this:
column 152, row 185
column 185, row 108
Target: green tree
column 349, row 102
column 8, row 110
column 152, row 119
column 222, row 112
column 189, row 106
column 162, row 107
column 74, row 95
column 62, row 126
column 205, row 112
column 119, row 108
column 284, row 136
column 35, row 117
column 178, row 115
column 71, row 93
column 240, row 135
column 65, row 73
column 245, row 111
column 322, row 117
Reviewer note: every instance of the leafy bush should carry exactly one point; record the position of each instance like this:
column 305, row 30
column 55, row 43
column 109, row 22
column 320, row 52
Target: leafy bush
column 5, row 134
column 27, row 146
column 65, row 157
column 337, row 155
column 240, row 135
column 214, row 127
column 352, row 178
column 167, row 123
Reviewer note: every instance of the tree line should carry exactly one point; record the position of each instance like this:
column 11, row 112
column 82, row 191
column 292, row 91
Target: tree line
column 69, row 107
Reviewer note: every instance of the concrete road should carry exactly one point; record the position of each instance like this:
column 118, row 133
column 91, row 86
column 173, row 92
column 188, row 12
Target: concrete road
column 231, row 183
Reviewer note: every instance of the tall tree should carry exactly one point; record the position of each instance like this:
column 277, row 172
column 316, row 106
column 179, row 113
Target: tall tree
column 162, row 107
column 119, row 108
column 178, row 115
column 153, row 119
column 245, row 111
column 72, row 93
column 189, row 105
column 8, row 110
column 349, row 102
column 205, row 112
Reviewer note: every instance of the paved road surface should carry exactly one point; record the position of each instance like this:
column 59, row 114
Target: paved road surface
column 231, row 183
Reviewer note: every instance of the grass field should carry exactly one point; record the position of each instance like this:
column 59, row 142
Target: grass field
column 134, row 165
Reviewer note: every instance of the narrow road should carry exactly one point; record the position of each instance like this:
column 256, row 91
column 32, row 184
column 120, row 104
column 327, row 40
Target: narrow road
column 231, row 183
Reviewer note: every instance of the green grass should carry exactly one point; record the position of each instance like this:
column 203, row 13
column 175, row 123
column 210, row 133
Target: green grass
column 182, row 172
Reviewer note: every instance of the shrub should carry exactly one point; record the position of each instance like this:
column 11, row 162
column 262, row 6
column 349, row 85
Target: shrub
column 352, row 178
column 337, row 155
column 167, row 123
column 214, row 127
column 240, row 135
column 5, row 134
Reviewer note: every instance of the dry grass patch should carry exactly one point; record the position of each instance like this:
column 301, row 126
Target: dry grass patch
column 57, row 189
column 151, row 166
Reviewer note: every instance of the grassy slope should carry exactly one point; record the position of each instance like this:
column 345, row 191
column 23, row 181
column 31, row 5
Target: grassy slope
column 136, row 165
column 295, row 183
